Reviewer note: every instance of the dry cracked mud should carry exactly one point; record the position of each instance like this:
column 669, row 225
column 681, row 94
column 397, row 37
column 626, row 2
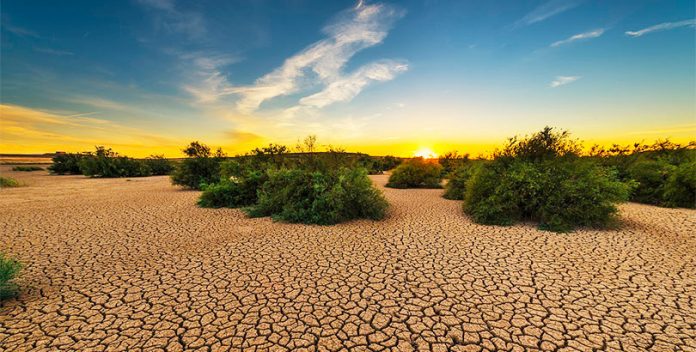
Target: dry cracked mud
column 135, row 265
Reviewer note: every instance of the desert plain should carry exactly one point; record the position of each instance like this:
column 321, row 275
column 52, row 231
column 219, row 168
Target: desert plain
column 134, row 264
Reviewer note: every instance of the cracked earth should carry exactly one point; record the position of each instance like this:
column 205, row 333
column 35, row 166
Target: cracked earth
column 129, row 265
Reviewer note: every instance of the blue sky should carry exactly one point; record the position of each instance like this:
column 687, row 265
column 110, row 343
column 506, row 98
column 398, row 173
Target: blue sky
column 382, row 77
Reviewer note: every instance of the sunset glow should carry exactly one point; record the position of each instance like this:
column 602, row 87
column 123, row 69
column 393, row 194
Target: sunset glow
column 375, row 77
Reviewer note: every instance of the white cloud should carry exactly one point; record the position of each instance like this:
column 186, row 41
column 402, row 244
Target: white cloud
column 662, row 27
column 563, row 80
column 320, row 64
column 547, row 10
column 587, row 35
column 347, row 87
column 362, row 27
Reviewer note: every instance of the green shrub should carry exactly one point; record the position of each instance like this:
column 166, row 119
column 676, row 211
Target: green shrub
column 201, row 167
column 9, row 269
column 651, row 176
column 456, row 184
column 107, row 163
column 541, row 178
column 416, row 173
column 559, row 194
column 237, row 188
column 319, row 197
column 27, row 168
column 8, row 182
column 680, row 188
column 159, row 165
column 451, row 161
column 66, row 163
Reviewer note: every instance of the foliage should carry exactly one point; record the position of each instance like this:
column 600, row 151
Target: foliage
column 680, row 188
column 9, row 269
column 319, row 197
column 451, row 161
column 456, row 184
column 543, row 145
column 159, row 165
column 107, row 163
column 201, row 167
column 27, row 168
column 559, row 194
column 66, row 163
column 651, row 176
column 416, row 173
column 8, row 182
column 651, row 167
column 237, row 188
column 541, row 178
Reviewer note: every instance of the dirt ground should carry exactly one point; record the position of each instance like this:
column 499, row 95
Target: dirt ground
column 130, row 264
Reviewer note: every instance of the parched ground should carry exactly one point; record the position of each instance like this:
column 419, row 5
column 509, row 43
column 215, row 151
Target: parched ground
column 123, row 264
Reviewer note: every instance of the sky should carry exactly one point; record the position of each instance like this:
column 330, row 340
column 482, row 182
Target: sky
column 148, row 76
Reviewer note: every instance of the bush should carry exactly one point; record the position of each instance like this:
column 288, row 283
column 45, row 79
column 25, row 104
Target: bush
column 316, row 197
column 159, row 165
column 651, row 176
column 416, row 173
column 680, row 188
column 451, row 161
column 27, row 168
column 559, row 194
column 456, row 184
column 66, row 163
column 8, row 182
column 107, row 163
column 237, row 188
column 201, row 167
column 540, row 178
column 9, row 268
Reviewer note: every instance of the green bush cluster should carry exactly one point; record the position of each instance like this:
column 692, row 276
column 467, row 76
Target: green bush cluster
column 457, row 181
column 8, row 182
column 416, row 173
column 9, row 269
column 159, row 165
column 541, row 178
column 452, row 161
column 104, row 162
column 307, row 187
column 319, row 197
column 66, row 164
column 27, row 168
column 660, row 172
column 201, row 167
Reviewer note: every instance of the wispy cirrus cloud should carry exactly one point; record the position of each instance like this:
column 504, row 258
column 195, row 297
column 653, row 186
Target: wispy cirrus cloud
column 581, row 36
column 320, row 64
column 362, row 27
column 563, row 80
column 662, row 27
column 546, row 10
column 349, row 86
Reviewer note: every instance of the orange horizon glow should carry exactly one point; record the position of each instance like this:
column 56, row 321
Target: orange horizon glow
column 30, row 131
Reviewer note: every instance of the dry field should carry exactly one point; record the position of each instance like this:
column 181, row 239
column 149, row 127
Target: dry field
column 123, row 265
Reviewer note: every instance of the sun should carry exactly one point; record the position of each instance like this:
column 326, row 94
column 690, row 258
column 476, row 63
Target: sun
column 425, row 153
